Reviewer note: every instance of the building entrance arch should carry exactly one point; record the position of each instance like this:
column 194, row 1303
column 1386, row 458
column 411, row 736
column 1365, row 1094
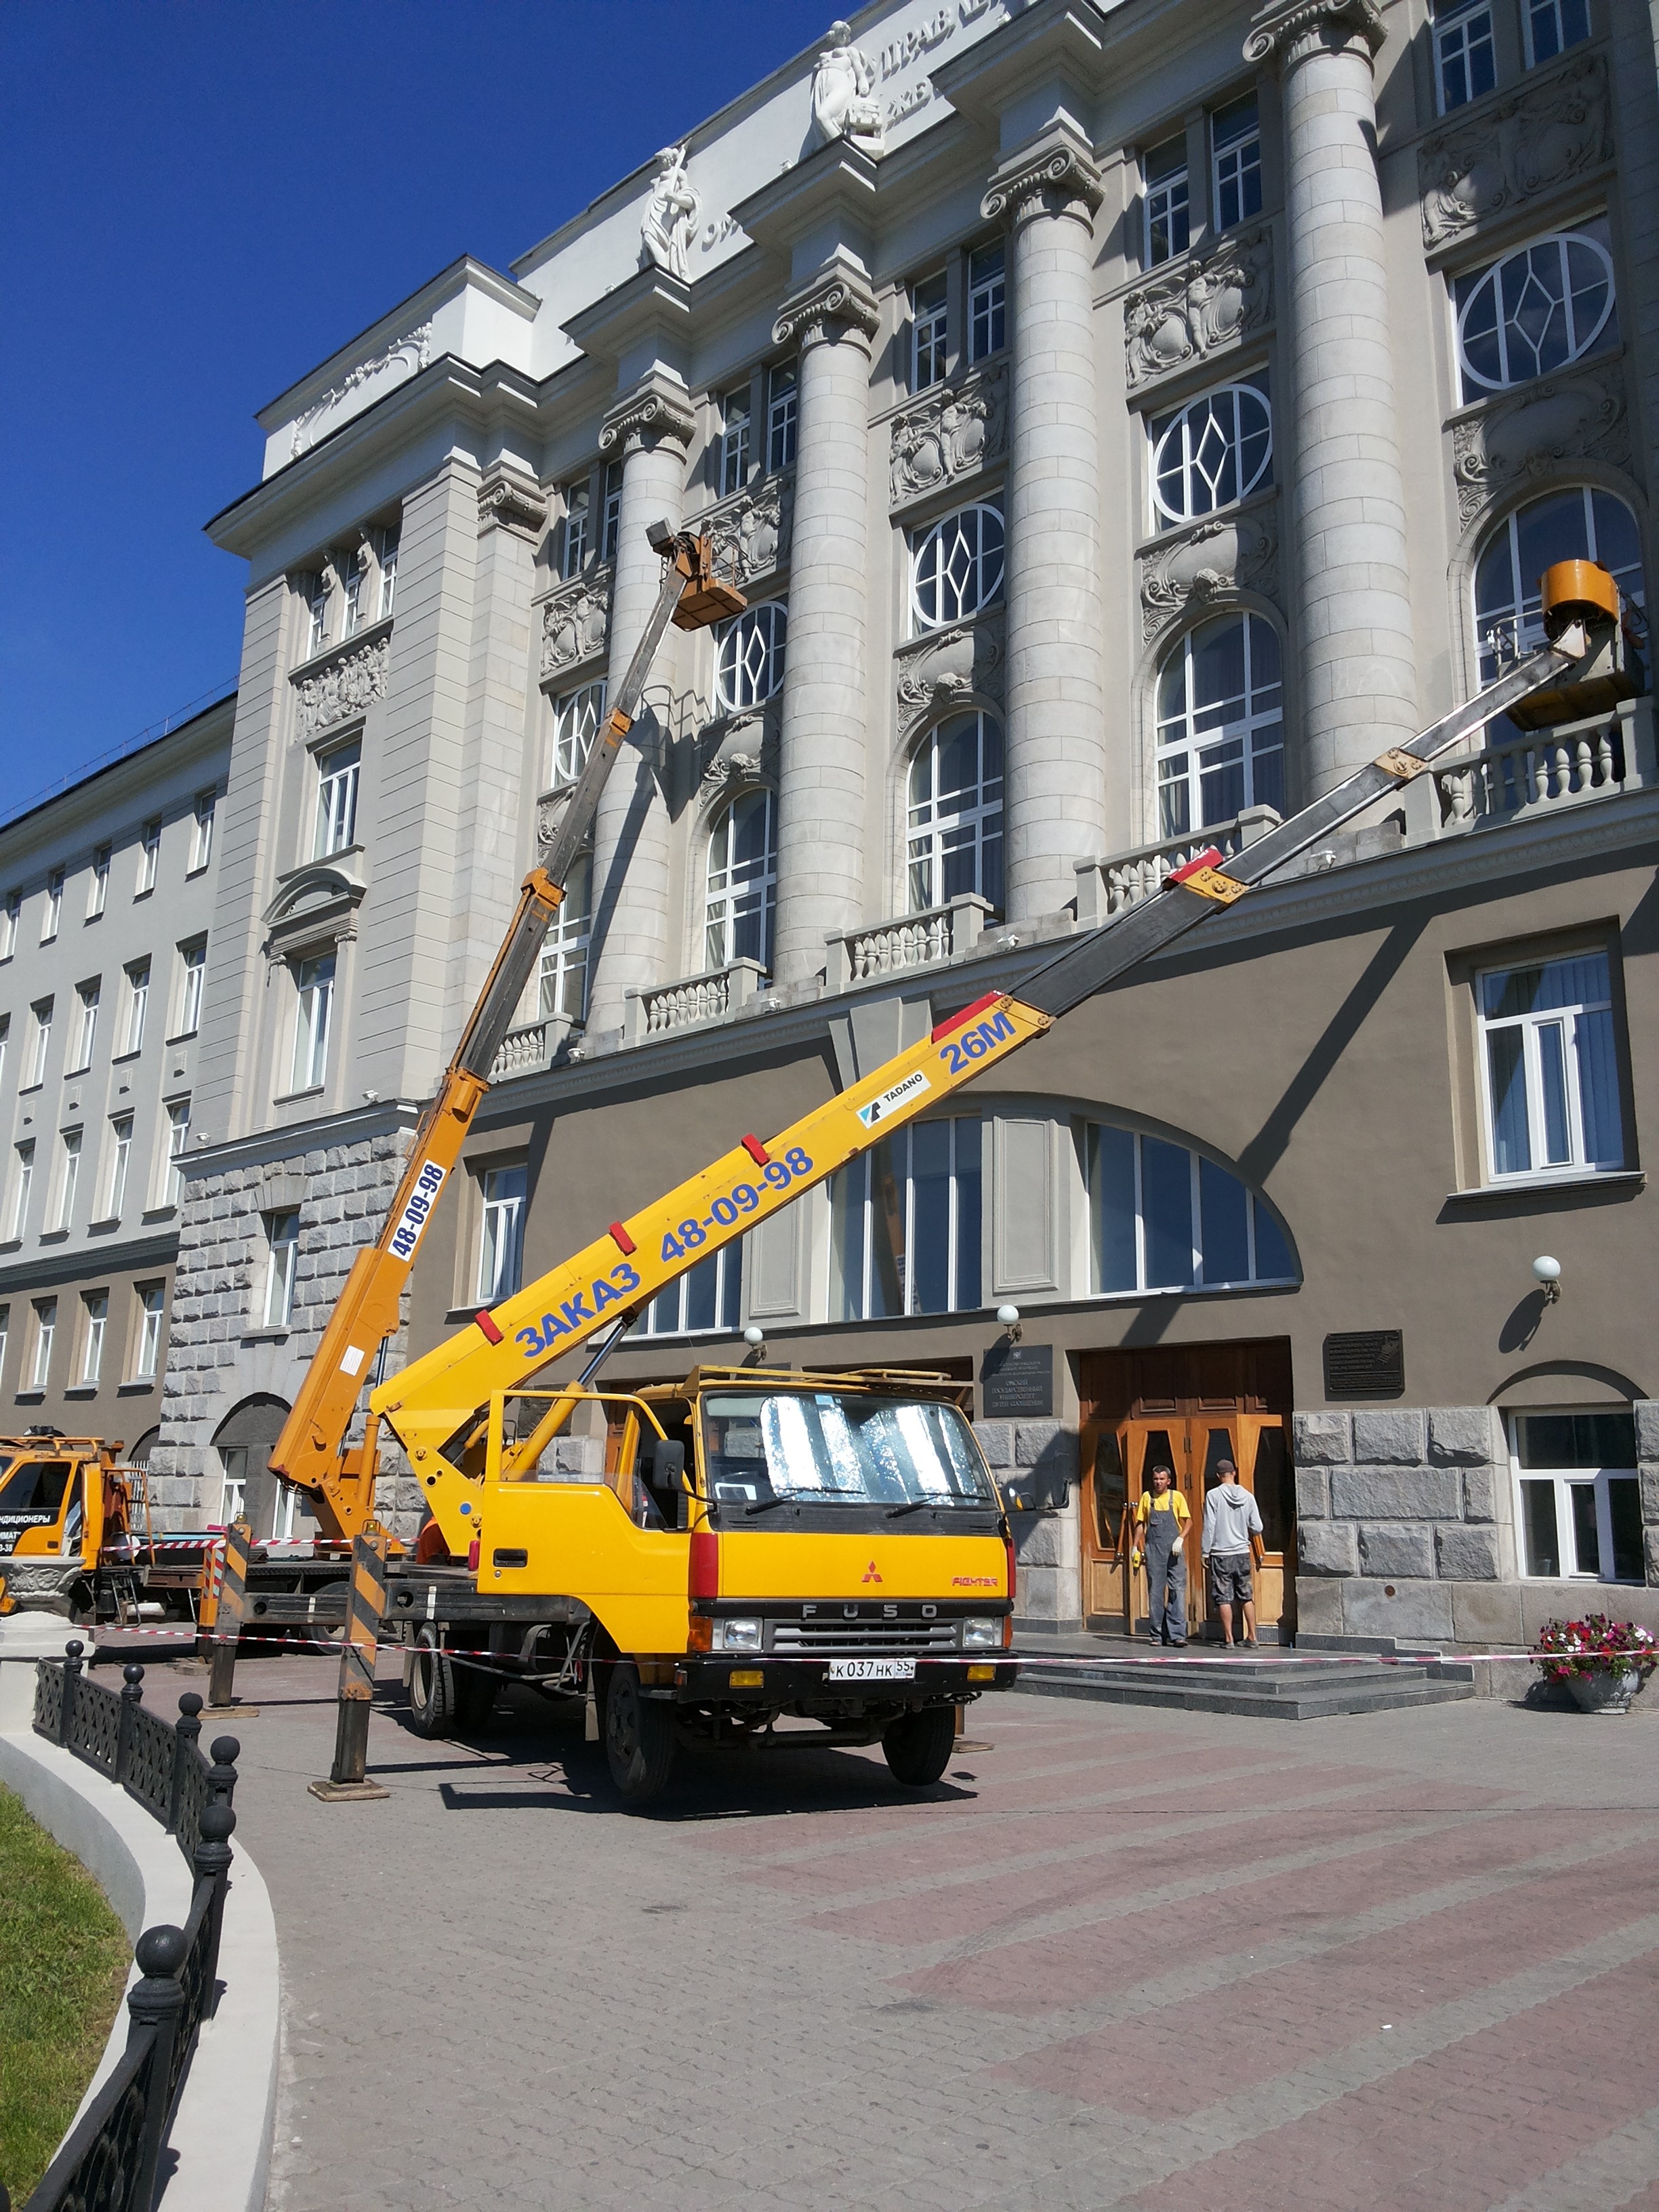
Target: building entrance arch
column 243, row 1441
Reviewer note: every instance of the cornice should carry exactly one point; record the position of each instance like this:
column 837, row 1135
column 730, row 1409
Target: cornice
column 1054, row 39
column 650, row 304
column 117, row 786
column 89, row 1262
column 656, row 409
column 1289, row 31
column 383, row 1119
column 836, row 179
column 836, row 303
column 1057, row 176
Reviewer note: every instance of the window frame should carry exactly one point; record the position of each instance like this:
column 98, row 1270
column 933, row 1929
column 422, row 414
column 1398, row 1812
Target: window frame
column 978, row 816
column 1598, row 1480
column 981, row 559
column 1520, row 616
column 1143, row 1287
column 147, row 1337
column 610, row 497
column 1531, row 11
column 317, row 629
column 1454, row 42
column 577, row 542
column 987, row 303
column 98, row 885
column 45, row 1325
column 737, row 418
column 339, row 786
column 1466, row 287
column 1165, row 198
column 149, row 857
column 315, row 976
column 729, row 904
column 135, row 1012
column 70, row 1144
column 201, row 842
column 86, row 1007
column 771, row 616
column 119, row 1168
column 498, row 1272
column 929, row 348
column 573, row 708
column 1243, row 151
column 172, row 1180
column 1577, row 1167
column 51, row 913
column 40, row 1043
column 192, row 979
column 387, row 594
column 1161, row 429
column 281, row 1265
column 11, row 916
column 1193, row 743
column 562, row 962
column 852, row 1187
column 21, row 1181
column 726, row 1264
column 94, row 1325
column 782, row 416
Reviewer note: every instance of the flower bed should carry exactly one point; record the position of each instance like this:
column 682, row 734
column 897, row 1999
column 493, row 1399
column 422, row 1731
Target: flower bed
column 1596, row 1645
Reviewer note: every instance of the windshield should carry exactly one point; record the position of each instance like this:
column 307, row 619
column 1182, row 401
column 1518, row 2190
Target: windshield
column 827, row 1449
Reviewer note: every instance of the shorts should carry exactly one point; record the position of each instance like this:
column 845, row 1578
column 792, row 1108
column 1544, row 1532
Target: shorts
column 1229, row 1578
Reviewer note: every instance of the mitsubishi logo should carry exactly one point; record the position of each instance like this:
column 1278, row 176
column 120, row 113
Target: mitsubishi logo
column 870, row 1574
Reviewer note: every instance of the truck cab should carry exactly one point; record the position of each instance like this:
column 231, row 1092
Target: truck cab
column 61, row 1500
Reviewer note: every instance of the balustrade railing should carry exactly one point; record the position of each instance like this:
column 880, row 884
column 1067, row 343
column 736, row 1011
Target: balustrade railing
column 693, row 1002
column 938, row 934
column 1105, row 887
column 530, row 1048
column 1540, row 770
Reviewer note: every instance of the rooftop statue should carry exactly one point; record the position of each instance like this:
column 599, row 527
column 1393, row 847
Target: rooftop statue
column 844, row 105
column 669, row 220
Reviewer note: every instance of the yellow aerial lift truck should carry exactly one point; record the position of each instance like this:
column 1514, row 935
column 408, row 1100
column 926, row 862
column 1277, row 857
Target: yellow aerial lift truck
column 758, row 1544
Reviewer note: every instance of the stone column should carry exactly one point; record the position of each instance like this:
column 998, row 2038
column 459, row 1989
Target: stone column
column 651, row 429
column 1352, row 621
column 1055, row 807
column 821, row 768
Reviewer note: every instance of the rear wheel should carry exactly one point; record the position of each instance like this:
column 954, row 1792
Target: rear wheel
column 639, row 1736
column 918, row 1746
column 446, row 1699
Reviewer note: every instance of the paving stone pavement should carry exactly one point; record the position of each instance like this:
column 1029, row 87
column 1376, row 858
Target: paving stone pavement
column 1406, row 1962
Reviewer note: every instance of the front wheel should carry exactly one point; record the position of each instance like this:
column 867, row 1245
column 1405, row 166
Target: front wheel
column 639, row 1736
column 918, row 1746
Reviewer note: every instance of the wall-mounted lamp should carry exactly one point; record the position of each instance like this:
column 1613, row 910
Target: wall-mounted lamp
column 1009, row 1317
column 755, row 1337
column 1548, row 1273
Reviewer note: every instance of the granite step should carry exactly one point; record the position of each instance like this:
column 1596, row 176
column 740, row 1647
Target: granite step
column 1255, row 1687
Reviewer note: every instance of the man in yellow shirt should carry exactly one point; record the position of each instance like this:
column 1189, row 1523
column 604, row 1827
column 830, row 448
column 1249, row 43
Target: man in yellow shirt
column 1161, row 1524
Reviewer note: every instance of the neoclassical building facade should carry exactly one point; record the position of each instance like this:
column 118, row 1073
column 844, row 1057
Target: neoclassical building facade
column 1122, row 421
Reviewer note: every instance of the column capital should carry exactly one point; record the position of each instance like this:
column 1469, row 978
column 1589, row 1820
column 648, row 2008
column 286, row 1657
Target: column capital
column 656, row 410
column 836, row 303
column 1058, row 175
column 1287, row 31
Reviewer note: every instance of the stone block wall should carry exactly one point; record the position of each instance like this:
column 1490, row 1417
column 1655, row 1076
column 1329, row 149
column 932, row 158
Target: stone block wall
column 219, row 1350
column 1035, row 1466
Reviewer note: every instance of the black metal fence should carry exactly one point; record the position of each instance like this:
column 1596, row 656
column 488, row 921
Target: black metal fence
column 110, row 2160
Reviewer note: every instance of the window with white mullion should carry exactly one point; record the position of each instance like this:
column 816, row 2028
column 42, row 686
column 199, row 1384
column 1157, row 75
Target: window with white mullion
column 1236, row 162
column 1550, row 1073
column 707, row 1300
column 281, row 1267
column 1577, row 523
column 501, row 1242
column 1542, row 307
column 987, row 312
column 929, row 315
column 338, row 772
column 561, row 983
column 576, row 717
column 1215, row 452
column 957, row 567
column 735, row 426
column 1164, row 1218
column 1552, row 26
column 578, row 527
column 1578, row 1494
column 905, row 1225
column 954, row 835
column 740, row 903
column 1220, row 724
column 1168, row 217
column 314, row 1002
column 1465, row 59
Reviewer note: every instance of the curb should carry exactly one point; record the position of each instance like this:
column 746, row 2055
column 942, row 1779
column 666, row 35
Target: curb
column 220, row 2137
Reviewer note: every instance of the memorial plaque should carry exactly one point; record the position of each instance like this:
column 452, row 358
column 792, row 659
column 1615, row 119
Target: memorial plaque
column 1017, row 1382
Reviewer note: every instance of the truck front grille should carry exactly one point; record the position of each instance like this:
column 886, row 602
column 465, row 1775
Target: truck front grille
column 809, row 1638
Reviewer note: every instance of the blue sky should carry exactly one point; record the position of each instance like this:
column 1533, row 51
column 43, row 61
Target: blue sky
column 204, row 198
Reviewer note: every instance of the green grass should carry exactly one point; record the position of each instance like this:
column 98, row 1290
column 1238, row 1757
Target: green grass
column 64, row 1959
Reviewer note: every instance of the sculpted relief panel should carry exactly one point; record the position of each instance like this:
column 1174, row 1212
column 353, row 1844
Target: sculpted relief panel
column 1540, row 137
column 953, row 432
column 1189, row 313
column 345, row 688
column 939, row 671
column 1219, row 559
column 575, row 620
column 750, row 534
column 395, row 363
column 1554, row 423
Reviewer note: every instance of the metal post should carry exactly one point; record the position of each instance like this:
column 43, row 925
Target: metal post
column 131, row 1697
column 185, row 1731
column 72, row 1665
column 157, row 2002
column 211, row 1861
column 228, row 1613
column 221, row 1775
column 365, row 1611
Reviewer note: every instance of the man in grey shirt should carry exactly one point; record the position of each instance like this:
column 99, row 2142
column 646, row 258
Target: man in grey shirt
column 1232, row 1530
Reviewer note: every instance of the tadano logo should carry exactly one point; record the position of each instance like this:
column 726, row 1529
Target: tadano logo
column 879, row 1109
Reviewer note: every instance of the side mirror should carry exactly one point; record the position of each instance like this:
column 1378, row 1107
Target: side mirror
column 664, row 1462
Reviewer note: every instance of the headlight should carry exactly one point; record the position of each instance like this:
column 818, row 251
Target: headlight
column 738, row 1636
column 981, row 1635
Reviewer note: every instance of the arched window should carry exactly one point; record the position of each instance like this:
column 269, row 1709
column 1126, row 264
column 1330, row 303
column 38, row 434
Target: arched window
column 1575, row 524
column 750, row 664
column 958, row 567
column 742, row 896
column 575, row 718
column 905, row 1225
column 1217, row 450
column 1537, row 309
column 1161, row 1217
column 563, row 976
column 954, row 822
column 1220, row 726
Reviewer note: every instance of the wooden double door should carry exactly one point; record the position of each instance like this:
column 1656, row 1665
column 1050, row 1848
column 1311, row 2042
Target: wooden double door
column 1187, row 1408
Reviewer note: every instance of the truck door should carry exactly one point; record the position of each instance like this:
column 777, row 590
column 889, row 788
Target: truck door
column 33, row 1495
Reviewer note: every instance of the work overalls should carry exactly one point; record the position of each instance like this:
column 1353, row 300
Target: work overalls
column 1165, row 1555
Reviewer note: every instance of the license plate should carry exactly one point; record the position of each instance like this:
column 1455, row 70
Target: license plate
column 872, row 1670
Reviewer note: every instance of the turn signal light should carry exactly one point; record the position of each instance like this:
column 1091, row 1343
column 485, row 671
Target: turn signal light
column 700, row 1636
column 975, row 1675
column 752, row 1678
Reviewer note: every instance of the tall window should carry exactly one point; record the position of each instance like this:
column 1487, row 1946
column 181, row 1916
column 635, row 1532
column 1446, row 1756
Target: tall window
column 98, row 885
column 501, row 1247
column 52, row 913
column 987, row 313
column 576, row 717
column 14, row 907
column 781, row 405
column 5, row 1039
column 1552, row 26
column 1220, row 726
column 1161, row 1217
column 563, row 981
column 178, row 1138
column 1236, row 161
column 1168, row 217
column 1537, row 309
column 147, row 1357
column 40, row 1043
column 1217, row 450
column 1465, row 66
column 1551, row 1072
column 192, row 972
column 86, row 1027
column 707, row 1297
column 281, row 1265
column 954, row 822
column 734, row 441
column 94, row 1319
column 317, row 636
column 352, row 597
column 388, row 573
column 137, row 1006
column 45, row 1330
column 956, row 568
column 741, row 899
column 1579, row 525
column 22, row 1182
column 201, row 836
column 1580, row 1494
column 749, row 667
column 905, row 1225
column 120, row 1156
column 610, row 518
column 68, row 1178
column 578, row 527
column 337, row 773
column 150, row 855
column 928, row 310
column 315, row 1003
column 5, row 1332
